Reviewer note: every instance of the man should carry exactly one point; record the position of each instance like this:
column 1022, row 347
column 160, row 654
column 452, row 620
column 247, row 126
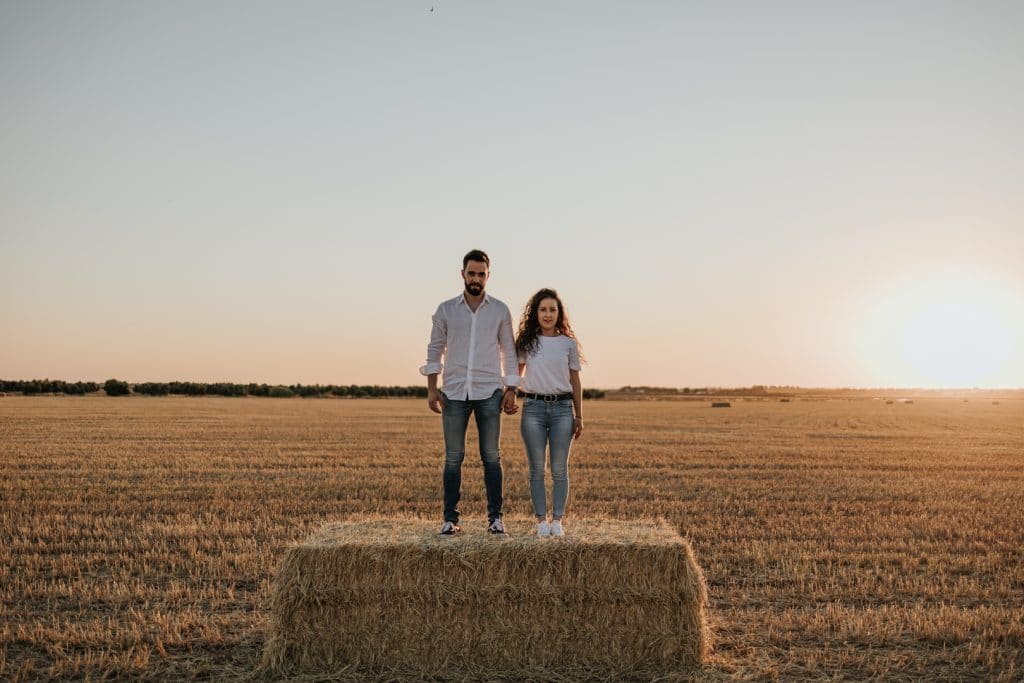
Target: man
column 472, row 333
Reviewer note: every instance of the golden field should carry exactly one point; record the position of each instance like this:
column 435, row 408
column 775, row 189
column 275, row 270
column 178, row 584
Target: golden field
column 840, row 538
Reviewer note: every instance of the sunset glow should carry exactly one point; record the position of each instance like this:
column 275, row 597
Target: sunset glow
column 946, row 331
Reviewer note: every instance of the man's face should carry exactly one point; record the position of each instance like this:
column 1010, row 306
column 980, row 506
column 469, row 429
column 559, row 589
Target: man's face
column 475, row 276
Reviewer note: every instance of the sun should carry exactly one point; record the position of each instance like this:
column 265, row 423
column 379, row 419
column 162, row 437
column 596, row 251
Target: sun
column 945, row 331
column 955, row 342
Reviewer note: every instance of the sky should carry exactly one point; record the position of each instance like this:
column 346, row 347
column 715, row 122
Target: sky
column 724, row 194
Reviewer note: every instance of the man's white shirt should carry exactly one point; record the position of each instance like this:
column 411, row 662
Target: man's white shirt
column 476, row 352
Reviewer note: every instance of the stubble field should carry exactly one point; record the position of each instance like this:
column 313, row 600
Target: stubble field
column 840, row 538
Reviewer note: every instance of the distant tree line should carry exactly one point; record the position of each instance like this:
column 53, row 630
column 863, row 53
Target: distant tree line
column 755, row 390
column 276, row 390
column 48, row 386
column 116, row 387
column 662, row 390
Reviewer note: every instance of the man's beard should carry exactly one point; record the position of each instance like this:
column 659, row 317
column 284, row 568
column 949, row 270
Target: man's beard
column 474, row 289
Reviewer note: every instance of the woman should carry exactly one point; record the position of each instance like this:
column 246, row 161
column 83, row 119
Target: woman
column 549, row 361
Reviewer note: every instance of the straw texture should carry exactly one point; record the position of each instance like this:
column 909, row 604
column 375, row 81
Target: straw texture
column 387, row 594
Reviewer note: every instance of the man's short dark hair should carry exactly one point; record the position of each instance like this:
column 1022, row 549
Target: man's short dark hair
column 476, row 255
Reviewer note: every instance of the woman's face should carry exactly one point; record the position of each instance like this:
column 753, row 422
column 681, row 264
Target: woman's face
column 547, row 315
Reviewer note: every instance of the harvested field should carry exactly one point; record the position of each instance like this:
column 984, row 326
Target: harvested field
column 842, row 538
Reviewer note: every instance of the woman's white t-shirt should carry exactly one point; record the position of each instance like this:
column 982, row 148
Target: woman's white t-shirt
column 548, row 365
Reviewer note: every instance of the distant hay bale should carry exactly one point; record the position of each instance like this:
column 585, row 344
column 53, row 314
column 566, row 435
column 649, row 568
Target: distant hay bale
column 720, row 404
column 995, row 403
column 391, row 596
column 889, row 402
column 783, row 400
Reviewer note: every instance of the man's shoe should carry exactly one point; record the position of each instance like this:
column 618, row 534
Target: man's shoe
column 496, row 526
column 450, row 529
column 556, row 528
column 543, row 530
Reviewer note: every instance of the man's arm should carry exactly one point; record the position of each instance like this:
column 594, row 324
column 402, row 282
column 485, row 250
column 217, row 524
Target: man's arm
column 435, row 352
column 510, row 405
column 434, row 399
column 509, row 362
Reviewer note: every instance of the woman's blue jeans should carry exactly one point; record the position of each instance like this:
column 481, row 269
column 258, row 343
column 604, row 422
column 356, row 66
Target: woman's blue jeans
column 454, row 420
column 548, row 424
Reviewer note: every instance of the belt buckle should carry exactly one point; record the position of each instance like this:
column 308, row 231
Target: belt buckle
column 550, row 398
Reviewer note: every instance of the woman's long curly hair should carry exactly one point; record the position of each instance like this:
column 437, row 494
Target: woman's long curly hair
column 529, row 325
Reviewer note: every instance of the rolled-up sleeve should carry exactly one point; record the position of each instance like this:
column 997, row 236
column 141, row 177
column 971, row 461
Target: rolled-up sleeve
column 509, row 358
column 436, row 345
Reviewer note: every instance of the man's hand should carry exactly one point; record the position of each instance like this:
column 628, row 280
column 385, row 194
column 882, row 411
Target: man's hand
column 435, row 400
column 577, row 427
column 509, row 404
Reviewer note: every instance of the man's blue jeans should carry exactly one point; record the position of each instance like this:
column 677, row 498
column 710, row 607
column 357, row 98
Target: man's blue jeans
column 455, row 419
column 548, row 425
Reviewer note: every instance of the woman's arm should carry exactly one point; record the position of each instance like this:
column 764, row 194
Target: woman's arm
column 577, row 403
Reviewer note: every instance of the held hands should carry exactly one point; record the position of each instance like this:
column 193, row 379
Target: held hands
column 508, row 402
column 577, row 427
column 435, row 400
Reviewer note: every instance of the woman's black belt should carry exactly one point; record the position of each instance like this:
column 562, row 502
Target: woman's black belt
column 548, row 398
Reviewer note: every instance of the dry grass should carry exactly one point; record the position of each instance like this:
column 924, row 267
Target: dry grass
column 610, row 599
column 852, row 539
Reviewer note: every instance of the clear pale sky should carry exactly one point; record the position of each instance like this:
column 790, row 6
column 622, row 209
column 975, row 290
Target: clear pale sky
column 822, row 194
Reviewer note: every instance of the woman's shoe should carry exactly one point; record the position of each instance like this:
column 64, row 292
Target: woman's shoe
column 556, row 528
column 543, row 530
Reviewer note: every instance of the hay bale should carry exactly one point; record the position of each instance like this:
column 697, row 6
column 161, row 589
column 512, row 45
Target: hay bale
column 720, row 404
column 389, row 596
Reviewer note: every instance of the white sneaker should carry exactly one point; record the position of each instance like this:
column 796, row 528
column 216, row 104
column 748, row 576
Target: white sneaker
column 543, row 530
column 556, row 528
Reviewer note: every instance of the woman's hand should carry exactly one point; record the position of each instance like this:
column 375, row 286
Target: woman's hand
column 577, row 427
column 508, row 402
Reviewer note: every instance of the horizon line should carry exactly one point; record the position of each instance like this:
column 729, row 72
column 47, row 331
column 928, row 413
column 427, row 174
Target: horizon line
column 624, row 387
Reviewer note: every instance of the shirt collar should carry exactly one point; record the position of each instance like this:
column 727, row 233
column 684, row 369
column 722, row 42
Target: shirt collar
column 486, row 299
